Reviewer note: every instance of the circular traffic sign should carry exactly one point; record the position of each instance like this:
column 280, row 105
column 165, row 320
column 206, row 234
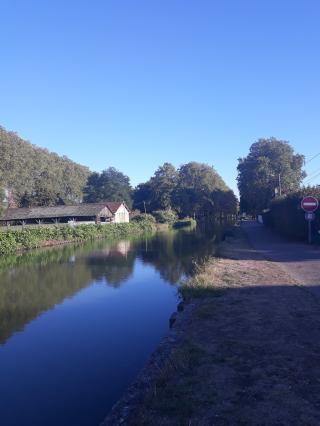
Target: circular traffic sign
column 309, row 204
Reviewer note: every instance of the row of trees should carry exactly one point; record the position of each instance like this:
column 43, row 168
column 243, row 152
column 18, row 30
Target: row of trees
column 193, row 189
column 36, row 176
column 271, row 169
column 33, row 176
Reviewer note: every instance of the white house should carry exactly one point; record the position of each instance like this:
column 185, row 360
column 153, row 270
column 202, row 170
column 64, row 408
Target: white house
column 120, row 212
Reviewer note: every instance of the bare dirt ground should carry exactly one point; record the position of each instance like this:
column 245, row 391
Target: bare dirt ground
column 299, row 259
column 247, row 351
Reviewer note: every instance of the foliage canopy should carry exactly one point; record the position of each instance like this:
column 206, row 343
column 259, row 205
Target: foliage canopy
column 36, row 176
column 270, row 164
column 110, row 185
column 193, row 189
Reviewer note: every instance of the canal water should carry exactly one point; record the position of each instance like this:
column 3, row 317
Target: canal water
column 77, row 323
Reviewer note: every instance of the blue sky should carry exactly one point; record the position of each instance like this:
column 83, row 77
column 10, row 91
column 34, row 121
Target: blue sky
column 135, row 83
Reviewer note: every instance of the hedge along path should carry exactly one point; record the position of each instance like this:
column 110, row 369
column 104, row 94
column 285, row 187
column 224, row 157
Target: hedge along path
column 248, row 350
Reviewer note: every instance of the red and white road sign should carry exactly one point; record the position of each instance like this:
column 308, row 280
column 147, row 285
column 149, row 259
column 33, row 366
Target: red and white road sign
column 309, row 204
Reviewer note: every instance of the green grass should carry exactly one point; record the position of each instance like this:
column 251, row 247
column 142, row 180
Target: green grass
column 199, row 286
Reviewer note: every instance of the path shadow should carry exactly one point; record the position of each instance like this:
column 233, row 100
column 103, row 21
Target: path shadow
column 249, row 356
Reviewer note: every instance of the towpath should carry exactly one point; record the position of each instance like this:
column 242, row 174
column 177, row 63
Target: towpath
column 300, row 260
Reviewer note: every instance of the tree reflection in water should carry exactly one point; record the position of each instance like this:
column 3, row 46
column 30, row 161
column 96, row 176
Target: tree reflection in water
column 34, row 282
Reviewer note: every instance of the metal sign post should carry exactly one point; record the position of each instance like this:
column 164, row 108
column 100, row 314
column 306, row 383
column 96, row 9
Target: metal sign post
column 309, row 217
column 309, row 205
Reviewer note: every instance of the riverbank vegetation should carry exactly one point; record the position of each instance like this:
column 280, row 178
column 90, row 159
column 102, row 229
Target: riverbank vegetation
column 28, row 238
column 165, row 216
column 12, row 240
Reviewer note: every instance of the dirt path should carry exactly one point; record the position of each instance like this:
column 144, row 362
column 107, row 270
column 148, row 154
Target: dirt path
column 300, row 260
column 248, row 353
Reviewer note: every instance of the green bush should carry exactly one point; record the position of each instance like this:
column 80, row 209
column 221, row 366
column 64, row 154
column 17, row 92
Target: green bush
column 144, row 217
column 28, row 238
column 8, row 243
column 165, row 216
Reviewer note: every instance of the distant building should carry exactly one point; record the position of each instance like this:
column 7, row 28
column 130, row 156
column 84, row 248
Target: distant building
column 104, row 212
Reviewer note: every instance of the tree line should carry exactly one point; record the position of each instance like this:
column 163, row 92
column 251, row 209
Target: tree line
column 33, row 176
column 194, row 189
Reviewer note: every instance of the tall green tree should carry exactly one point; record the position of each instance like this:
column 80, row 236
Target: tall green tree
column 110, row 185
column 156, row 194
column 143, row 197
column 194, row 193
column 224, row 202
column 164, row 183
column 270, row 169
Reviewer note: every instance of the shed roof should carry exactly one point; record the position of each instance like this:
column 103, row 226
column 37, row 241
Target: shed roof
column 79, row 210
column 114, row 206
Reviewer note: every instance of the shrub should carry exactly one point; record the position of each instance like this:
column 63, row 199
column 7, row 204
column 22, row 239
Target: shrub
column 143, row 217
column 8, row 243
column 165, row 216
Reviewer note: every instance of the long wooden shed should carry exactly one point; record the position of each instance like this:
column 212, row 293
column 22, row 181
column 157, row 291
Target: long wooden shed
column 102, row 212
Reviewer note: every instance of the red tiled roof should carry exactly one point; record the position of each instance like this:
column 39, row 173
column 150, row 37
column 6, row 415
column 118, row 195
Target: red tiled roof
column 113, row 206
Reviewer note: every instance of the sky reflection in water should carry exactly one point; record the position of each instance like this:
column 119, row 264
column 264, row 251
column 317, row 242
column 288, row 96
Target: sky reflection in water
column 77, row 323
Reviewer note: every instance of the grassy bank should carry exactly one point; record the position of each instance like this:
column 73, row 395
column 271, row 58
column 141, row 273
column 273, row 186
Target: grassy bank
column 12, row 241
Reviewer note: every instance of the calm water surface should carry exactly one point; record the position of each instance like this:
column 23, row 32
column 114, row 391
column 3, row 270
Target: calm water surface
column 78, row 323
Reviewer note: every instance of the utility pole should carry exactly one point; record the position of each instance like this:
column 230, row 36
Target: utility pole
column 145, row 210
column 280, row 188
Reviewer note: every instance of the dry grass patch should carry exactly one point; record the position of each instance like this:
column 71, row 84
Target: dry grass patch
column 238, row 265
